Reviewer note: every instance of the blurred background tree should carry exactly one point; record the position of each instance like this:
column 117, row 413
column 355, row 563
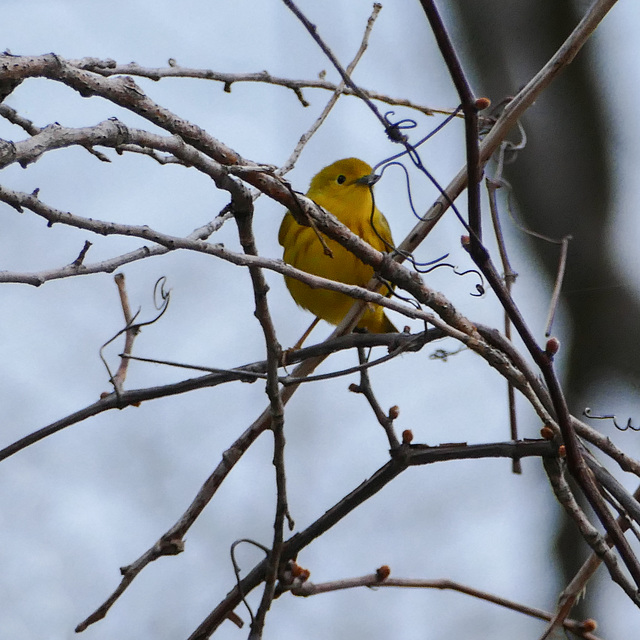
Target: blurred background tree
column 562, row 184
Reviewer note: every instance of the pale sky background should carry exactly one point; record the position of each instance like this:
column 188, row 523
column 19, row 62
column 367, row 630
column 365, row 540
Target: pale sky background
column 94, row 497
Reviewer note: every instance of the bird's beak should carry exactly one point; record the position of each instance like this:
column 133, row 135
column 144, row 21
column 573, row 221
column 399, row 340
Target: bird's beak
column 368, row 180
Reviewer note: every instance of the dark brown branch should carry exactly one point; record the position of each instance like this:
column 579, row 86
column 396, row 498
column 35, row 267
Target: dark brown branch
column 136, row 396
column 346, row 78
column 470, row 110
column 575, row 460
column 405, row 456
column 385, row 419
column 243, row 211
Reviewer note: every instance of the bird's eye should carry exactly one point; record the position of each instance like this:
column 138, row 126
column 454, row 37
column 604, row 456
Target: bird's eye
column 341, row 179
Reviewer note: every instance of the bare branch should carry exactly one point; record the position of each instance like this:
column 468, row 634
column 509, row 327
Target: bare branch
column 335, row 514
column 597, row 542
column 106, row 266
column 365, row 388
column 243, row 211
column 340, row 89
column 308, row 588
column 110, row 68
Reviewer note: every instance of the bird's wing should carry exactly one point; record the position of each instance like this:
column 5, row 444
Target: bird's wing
column 385, row 240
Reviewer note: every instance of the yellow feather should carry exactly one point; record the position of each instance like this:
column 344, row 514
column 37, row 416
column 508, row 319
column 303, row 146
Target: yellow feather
column 339, row 189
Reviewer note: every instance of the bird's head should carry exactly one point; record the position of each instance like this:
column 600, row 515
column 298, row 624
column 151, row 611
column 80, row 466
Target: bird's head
column 345, row 184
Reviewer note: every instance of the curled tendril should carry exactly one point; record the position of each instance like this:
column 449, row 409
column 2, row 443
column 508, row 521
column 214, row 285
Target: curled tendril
column 161, row 298
column 425, row 267
column 394, row 129
column 412, row 152
column 408, row 182
column 410, row 149
column 420, row 267
column 479, row 287
column 161, row 295
column 236, row 568
column 588, row 414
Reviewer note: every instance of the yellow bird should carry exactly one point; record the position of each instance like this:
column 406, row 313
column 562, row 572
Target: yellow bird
column 344, row 189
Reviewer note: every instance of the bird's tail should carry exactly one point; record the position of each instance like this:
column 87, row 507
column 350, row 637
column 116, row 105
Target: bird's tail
column 386, row 326
column 374, row 320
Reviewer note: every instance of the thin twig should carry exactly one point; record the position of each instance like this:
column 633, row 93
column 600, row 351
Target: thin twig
column 557, row 287
column 364, row 387
column 130, row 334
column 228, row 79
column 15, row 118
column 339, row 90
column 346, row 78
column 509, row 280
column 470, row 110
column 243, row 373
column 243, row 212
column 358, row 496
column 373, row 581
column 106, row 266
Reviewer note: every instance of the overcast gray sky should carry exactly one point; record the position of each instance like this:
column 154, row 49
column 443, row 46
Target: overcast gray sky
column 77, row 506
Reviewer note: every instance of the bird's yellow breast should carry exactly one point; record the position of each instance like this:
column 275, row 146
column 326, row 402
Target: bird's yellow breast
column 338, row 189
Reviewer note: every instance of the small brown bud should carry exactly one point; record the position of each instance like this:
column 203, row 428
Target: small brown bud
column 553, row 346
column 465, row 241
column 562, row 451
column 482, row 103
column 588, row 625
column 354, row 388
column 304, row 575
column 383, row 572
column 394, row 412
column 546, row 433
column 407, row 436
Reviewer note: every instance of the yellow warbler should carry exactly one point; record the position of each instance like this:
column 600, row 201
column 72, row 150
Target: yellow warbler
column 344, row 189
